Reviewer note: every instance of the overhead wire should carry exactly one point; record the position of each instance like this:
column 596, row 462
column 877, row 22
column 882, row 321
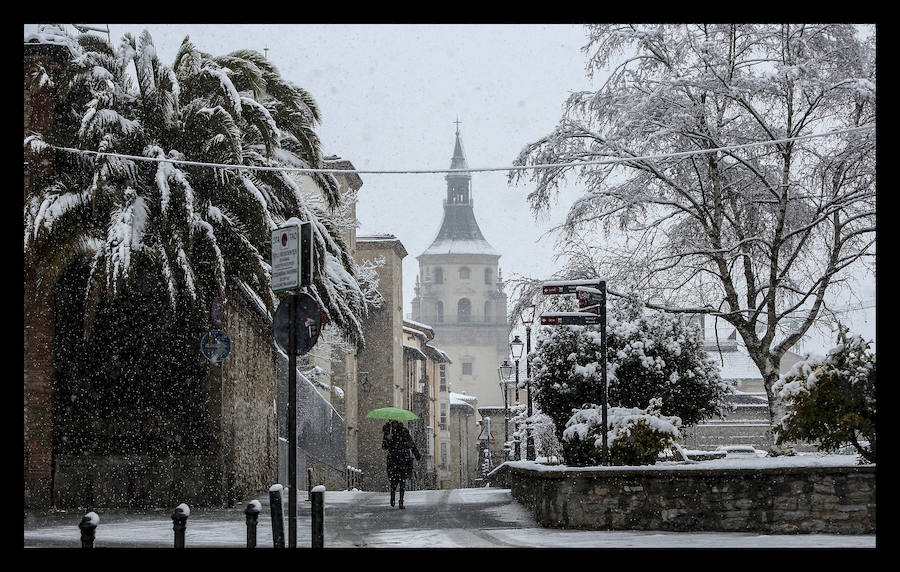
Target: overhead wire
column 466, row 170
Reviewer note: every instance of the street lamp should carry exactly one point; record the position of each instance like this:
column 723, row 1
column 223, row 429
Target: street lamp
column 528, row 319
column 515, row 348
column 505, row 370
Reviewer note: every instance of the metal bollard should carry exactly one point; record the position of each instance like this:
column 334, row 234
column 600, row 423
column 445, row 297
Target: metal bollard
column 179, row 523
column 318, row 516
column 277, row 516
column 252, row 512
column 309, row 485
column 88, row 526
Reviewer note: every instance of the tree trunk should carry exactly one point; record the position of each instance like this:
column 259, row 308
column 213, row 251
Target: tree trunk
column 777, row 409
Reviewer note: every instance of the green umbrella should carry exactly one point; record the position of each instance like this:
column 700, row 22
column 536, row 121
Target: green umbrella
column 391, row 413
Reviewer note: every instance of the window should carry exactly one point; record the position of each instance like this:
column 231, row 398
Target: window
column 487, row 311
column 487, row 275
column 464, row 273
column 439, row 311
column 467, row 368
column 443, row 420
column 442, row 377
column 445, row 455
column 464, row 310
column 438, row 275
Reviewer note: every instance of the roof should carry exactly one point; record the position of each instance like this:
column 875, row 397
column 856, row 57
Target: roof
column 459, row 232
column 416, row 352
column 419, row 327
column 435, row 354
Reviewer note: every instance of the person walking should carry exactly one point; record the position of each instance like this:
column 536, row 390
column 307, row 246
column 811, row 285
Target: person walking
column 398, row 443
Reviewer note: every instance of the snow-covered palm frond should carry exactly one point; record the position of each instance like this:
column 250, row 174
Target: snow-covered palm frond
column 246, row 73
column 54, row 207
column 127, row 225
column 256, row 115
column 216, row 129
column 97, row 122
column 206, row 233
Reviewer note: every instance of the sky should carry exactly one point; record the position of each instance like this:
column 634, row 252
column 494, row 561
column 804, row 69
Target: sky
column 390, row 96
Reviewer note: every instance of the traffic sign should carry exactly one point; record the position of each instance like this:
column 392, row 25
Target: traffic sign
column 216, row 346
column 286, row 258
column 307, row 321
column 217, row 313
column 292, row 256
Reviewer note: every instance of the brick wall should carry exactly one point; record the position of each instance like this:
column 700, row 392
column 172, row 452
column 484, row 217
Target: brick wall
column 830, row 500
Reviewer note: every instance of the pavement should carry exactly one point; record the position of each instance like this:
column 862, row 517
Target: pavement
column 458, row 518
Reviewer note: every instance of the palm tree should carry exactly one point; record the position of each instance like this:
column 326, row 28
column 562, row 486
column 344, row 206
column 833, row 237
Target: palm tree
column 199, row 227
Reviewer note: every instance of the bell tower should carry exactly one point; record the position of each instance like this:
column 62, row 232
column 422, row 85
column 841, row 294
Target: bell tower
column 459, row 291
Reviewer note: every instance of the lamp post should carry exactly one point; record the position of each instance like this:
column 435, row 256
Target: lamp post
column 515, row 348
column 528, row 319
column 504, row 370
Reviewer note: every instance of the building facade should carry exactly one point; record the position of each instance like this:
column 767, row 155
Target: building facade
column 380, row 364
column 459, row 291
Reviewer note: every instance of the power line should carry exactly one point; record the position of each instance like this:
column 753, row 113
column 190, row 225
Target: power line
column 468, row 170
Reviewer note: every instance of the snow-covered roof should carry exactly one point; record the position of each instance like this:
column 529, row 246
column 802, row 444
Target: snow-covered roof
column 458, row 400
column 53, row 35
column 735, row 365
column 435, row 354
column 419, row 325
column 417, row 353
column 464, row 397
column 412, row 332
column 461, row 246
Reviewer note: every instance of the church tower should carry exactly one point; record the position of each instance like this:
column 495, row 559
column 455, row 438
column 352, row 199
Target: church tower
column 459, row 292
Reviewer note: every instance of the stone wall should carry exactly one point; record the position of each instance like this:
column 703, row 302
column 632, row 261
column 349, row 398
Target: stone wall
column 829, row 500
column 249, row 389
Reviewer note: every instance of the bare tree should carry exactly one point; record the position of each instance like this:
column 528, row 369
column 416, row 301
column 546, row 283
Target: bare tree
column 706, row 185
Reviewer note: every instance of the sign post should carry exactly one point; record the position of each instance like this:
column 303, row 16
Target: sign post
column 292, row 263
column 592, row 311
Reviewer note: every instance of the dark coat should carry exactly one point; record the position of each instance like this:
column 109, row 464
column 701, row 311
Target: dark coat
column 398, row 446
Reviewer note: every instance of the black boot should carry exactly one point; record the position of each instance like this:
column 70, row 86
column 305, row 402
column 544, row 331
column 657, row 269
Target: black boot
column 392, row 499
column 401, row 501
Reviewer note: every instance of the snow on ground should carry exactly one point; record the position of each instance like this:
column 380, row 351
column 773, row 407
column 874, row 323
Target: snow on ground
column 732, row 461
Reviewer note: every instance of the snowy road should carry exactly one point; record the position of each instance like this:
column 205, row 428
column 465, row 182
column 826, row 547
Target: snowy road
column 461, row 518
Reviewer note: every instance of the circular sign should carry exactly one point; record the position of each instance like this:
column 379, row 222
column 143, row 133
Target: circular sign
column 307, row 323
column 216, row 346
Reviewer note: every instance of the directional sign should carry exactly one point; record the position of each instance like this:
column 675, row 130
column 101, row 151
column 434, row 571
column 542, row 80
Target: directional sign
column 570, row 319
column 307, row 321
column 568, row 286
column 591, row 300
column 216, row 346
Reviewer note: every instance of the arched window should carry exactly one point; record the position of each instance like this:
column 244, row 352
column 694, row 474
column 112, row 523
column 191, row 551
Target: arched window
column 464, row 310
column 464, row 273
column 487, row 275
column 487, row 311
column 439, row 311
column 439, row 275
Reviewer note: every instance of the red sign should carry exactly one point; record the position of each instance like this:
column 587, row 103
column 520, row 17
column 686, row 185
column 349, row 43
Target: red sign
column 217, row 313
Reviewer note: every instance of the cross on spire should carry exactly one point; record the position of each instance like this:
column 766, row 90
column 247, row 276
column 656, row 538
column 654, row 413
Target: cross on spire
column 457, row 124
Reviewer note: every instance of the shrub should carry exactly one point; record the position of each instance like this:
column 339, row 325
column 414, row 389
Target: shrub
column 634, row 436
column 831, row 399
